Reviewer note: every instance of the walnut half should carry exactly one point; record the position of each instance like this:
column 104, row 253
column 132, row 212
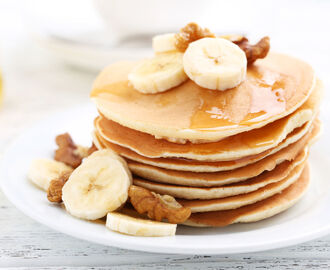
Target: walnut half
column 54, row 192
column 253, row 52
column 191, row 32
column 67, row 152
column 70, row 153
column 157, row 207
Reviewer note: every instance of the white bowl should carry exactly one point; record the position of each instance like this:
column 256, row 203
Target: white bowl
column 131, row 18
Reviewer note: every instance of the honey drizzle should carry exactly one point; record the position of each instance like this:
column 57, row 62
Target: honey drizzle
column 258, row 98
column 265, row 93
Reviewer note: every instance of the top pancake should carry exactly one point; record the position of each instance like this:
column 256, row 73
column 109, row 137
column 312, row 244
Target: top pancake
column 275, row 87
column 232, row 148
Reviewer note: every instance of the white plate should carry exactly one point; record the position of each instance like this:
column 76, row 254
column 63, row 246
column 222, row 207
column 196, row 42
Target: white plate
column 309, row 219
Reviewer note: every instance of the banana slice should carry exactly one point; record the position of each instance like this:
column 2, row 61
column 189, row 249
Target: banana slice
column 98, row 186
column 138, row 227
column 160, row 73
column 43, row 171
column 215, row 63
column 164, row 43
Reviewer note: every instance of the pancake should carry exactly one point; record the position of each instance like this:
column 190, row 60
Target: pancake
column 232, row 148
column 99, row 142
column 180, row 164
column 274, row 88
column 224, row 177
column 204, row 193
column 257, row 211
column 237, row 201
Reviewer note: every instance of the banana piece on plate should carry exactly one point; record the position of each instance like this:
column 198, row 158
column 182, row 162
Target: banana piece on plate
column 43, row 171
column 138, row 227
column 158, row 74
column 98, row 186
column 215, row 63
column 164, row 43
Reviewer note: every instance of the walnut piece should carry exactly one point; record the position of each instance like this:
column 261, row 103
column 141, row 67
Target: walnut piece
column 191, row 32
column 54, row 192
column 70, row 153
column 253, row 52
column 157, row 207
column 67, row 151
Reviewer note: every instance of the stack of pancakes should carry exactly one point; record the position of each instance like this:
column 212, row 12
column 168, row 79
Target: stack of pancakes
column 230, row 156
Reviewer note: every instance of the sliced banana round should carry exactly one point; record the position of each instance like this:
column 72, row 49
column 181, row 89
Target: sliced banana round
column 160, row 73
column 138, row 227
column 98, row 186
column 164, row 43
column 215, row 63
column 43, row 171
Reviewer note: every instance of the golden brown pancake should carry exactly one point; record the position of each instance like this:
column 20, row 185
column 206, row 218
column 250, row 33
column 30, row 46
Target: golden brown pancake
column 274, row 88
column 224, row 177
column 254, row 212
column 237, row 201
column 181, row 164
column 204, row 193
column 232, row 148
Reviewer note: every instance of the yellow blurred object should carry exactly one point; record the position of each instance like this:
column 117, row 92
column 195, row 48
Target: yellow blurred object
column 1, row 93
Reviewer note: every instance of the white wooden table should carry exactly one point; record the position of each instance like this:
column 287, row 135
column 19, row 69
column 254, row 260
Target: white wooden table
column 37, row 86
column 25, row 244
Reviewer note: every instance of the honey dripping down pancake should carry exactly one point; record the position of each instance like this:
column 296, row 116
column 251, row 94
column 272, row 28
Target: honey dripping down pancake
column 235, row 147
column 166, row 176
column 202, row 166
column 274, row 87
column 257, row 211
column 240, row 200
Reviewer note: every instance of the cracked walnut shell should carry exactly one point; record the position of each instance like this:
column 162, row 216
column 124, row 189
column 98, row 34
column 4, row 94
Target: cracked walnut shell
column 157, row 207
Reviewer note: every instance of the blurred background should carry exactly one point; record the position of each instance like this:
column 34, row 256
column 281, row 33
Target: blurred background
column 51, row 51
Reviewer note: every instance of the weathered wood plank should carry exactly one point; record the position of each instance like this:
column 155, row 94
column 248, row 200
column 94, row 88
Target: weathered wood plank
column 235, row 265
